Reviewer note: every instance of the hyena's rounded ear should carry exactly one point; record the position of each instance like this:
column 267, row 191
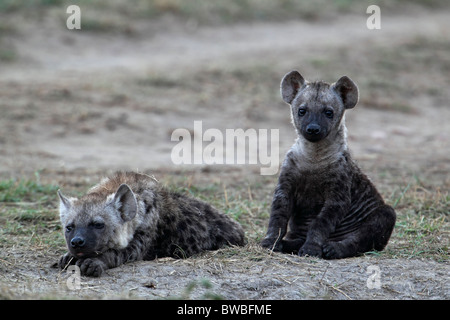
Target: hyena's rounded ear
column 347, row 90
column 64, row 205
column 125, row 202
column 290, row 85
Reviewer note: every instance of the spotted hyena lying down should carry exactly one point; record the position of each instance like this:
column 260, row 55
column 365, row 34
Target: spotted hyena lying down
column 130, row 217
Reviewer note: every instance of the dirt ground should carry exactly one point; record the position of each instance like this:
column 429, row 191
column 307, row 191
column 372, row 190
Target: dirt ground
column 76, row 105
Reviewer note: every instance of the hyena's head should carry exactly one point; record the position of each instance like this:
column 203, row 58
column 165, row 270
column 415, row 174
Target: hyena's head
column 93, row 224
column 317, row 107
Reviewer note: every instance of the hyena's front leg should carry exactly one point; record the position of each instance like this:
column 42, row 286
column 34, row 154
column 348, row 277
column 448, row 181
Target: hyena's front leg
column 93, row 267
column 65, row 261
column 113, row 258
column 88, row 267
column 279, row 217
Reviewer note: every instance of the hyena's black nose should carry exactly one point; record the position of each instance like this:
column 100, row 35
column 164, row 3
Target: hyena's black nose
column 77, row 242
column 313, row 128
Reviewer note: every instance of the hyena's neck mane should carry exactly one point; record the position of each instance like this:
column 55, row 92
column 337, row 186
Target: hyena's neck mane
column 136, row 181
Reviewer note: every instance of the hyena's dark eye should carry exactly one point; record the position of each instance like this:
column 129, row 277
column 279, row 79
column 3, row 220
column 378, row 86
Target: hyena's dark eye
column 69, row 228
column 98, row 225
column 301, row 112
column 329, row 113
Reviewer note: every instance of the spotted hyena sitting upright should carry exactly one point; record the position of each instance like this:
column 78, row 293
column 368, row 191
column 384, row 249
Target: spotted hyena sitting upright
column 323, row 204
column 130, row 217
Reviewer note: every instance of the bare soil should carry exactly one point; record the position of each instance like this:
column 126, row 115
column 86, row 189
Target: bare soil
column 76, row 105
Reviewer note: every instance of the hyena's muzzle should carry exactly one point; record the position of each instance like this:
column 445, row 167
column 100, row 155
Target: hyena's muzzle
column 81, row 242
column 314, row 124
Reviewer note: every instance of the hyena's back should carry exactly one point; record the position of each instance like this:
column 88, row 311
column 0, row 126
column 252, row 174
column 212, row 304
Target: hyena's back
column 141, row 184
column 194, row 226
column 185, row 226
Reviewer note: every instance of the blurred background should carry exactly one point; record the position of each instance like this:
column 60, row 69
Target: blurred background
column 108, row 96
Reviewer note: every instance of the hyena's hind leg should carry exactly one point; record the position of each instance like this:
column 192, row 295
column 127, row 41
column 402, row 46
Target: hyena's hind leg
column 374, row 233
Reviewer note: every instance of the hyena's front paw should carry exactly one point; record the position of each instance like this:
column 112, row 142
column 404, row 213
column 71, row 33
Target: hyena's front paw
column 272, row 244
column 66, row 260
column 311, row 249
column 91, row 267
column 331, row 250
